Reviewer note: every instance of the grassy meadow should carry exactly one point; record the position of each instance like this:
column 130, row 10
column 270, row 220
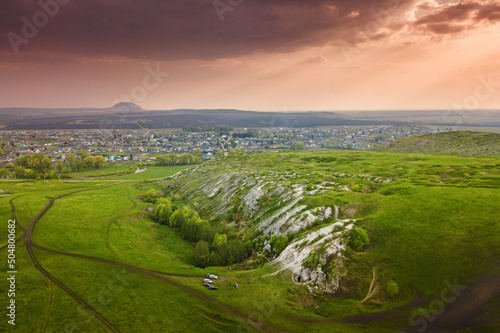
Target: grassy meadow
column 436, row 220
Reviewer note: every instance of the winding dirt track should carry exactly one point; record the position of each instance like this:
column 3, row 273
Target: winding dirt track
column 158, row 275
column 161, row 276
column 27, row 240
column 114, row 263
column 372, row 290
column 465, row 308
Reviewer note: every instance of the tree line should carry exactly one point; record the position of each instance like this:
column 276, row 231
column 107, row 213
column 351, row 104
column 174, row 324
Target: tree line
column 213, row 248
column 39, row 165
column 179, row 159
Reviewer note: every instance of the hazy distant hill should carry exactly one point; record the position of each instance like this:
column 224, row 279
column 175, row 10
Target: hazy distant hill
column 126, row 107
column 129, row 115
column 450, row 143
column 126, row 115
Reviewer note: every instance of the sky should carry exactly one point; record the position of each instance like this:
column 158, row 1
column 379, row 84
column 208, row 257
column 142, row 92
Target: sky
column 261, row 55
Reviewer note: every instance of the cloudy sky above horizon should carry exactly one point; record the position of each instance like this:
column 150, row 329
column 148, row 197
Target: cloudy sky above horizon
column 251, row 54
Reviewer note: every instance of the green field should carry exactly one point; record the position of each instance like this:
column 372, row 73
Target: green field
column 434, row 219
column 449, row 143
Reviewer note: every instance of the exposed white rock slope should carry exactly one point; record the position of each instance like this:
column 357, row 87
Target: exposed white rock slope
column 329, row 245
column 273, row 202
column 280, row 214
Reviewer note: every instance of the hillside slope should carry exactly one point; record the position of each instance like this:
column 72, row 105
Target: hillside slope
column 407, row 205
column 450, row 143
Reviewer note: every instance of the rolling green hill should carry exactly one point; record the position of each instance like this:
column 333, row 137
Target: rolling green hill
column 432, row 221
column 450, row 143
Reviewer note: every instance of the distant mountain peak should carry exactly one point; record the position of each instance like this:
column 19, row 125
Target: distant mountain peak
column 126, row 106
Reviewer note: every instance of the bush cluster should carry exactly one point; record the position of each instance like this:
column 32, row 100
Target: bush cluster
column 212, row 246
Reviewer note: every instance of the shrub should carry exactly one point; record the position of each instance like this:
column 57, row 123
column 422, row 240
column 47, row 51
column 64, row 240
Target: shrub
column 392, row 288
column 357, row 188
column 151, row 195
column 313, row 261
column 358, row 239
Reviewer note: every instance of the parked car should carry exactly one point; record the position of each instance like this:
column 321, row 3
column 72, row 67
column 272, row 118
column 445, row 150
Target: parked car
column 206, row 285
column 212, row 288
column 211, row 276
column 207, row 281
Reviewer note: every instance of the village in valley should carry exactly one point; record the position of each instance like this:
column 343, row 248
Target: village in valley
column 207, row 143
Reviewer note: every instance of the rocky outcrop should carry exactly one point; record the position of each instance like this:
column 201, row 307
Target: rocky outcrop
column 280, row 214
column 273, row 203
column 328, row 244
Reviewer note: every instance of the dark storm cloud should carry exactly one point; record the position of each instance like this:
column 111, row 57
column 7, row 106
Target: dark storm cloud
column 169, row 30
column 194, row 29
column 456, row 18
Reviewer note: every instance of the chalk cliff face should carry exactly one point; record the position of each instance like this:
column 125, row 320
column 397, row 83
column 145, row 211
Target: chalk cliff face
column 328, row 244
column 272, row 203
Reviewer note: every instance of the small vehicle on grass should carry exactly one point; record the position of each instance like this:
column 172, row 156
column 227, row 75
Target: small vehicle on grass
column 206, row 285
column 212, row 288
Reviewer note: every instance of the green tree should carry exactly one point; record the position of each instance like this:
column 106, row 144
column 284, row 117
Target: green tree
column 89, row 162
column 297, row 146
column 23, row 161
column 9, row 166
column 83, row 153
column 20, row 171
column 59, row 165
column 201, row 253
column 220, row 240
column 280, row 244
column 4, row 173
column 175, row 219
column 162, row 211
column 71, row 162
column 39, row 162
column 358, row 238
column 206, row 232
column 219, row 153
column 99, row 162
